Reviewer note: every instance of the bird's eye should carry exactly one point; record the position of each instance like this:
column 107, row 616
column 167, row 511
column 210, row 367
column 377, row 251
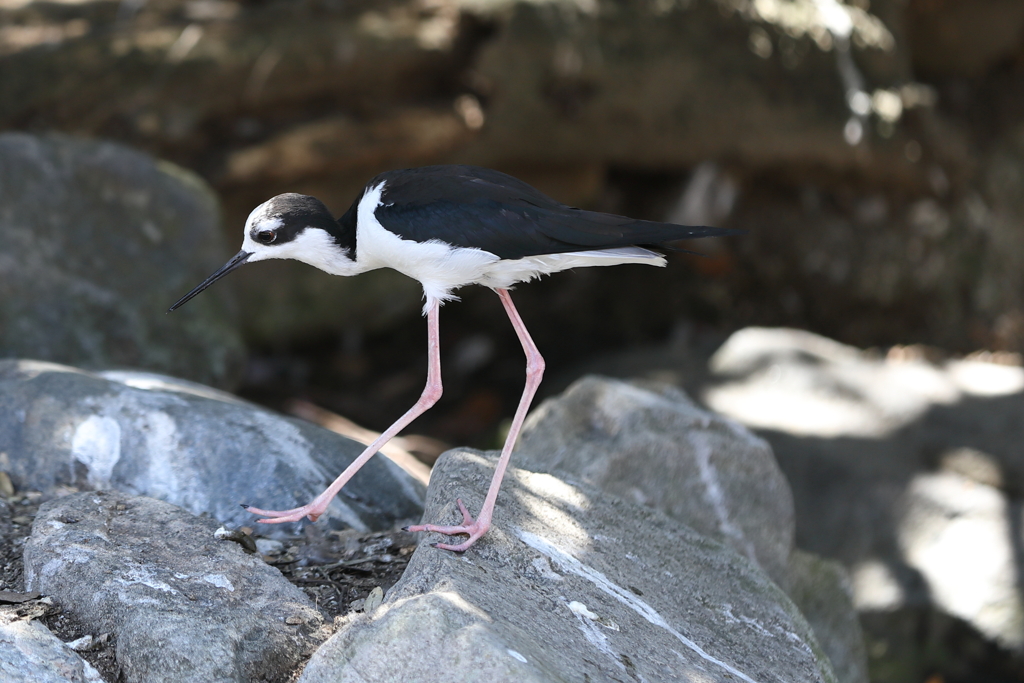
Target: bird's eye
column 266, row 236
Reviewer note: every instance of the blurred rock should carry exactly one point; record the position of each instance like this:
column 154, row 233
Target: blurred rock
column 288, row 300
column 29, row 653
column 541, row 83
column 966, row 540
column 805, row 384
column 963, row 37
column 338, row 144
column 851, row 429
column 997, row 212
column 182, row 605
column 909, row 471
column 821, row 589
column 98, row 242
column 749, row 81
column 184, row 443
column 566, row 569
column 871, row 266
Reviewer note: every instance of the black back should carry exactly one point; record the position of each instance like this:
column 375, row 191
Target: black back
column 468, row 206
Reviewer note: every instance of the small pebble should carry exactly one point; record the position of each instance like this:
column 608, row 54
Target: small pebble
column 373, row 600
column 268, row 546
column 236, row 535
column 6, row 486
column 81, row 644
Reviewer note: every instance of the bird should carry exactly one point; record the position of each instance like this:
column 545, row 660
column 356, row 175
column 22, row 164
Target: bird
column 447, row 226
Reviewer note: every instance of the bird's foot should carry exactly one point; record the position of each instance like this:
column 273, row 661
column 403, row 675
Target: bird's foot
column 474, row 528
column 312, row 511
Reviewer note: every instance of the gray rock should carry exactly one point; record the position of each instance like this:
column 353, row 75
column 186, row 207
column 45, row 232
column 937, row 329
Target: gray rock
column 964, row 538
column 852, row 430
column 98, row 241
column 649, row 443
column 561, row 79
column 905, row 470
column 821, row 589
column 566, row 75
column 653, row 446
column 571, row 584
column 29, row 653
column 963, row 40
column 184, row 443
column 804, row 384
column 182, row 605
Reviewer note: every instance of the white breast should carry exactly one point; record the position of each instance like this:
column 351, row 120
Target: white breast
column 439, row 267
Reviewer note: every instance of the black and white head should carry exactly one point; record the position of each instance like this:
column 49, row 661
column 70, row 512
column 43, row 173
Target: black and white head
column 291, row 226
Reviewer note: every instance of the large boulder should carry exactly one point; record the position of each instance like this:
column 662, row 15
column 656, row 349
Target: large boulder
column 655, row 447
column 571, row 584
column 648, row 443
column 181, row 604
column 184, row 443
column 98, row 241
column 675, row 84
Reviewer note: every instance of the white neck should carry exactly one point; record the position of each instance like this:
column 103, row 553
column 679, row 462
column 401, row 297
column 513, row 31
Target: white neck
column 313, row 246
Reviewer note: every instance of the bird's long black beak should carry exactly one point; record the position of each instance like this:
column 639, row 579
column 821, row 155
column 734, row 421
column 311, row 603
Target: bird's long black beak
column 238, row 259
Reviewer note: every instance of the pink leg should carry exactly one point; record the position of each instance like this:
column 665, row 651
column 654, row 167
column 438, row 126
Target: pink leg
column 431, row 393
column 534, row 373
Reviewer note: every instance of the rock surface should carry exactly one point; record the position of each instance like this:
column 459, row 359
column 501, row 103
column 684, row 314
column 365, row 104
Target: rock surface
column 129, row 565
column 29, row 653
column 822, row 590
column 184, row 443
column 98, row 241
column 653, row 446
column 964, row 538
column 650, row 444
column 630, row 593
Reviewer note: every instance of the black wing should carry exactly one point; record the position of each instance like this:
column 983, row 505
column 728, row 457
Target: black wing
column 467, row 206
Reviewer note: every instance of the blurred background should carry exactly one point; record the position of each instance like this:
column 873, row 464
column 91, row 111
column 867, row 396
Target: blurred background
column 869, row 323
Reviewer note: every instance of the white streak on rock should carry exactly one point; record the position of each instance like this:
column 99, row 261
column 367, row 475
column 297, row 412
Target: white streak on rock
column 144, row 576
column 219, row 580
column 164, row 473
column 543, row 567
column 714, row 495
column 595, row 637
column 97, row 445
column 569, row 563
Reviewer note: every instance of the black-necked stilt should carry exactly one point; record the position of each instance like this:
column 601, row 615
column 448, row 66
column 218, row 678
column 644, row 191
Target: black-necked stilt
column 447, row 226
